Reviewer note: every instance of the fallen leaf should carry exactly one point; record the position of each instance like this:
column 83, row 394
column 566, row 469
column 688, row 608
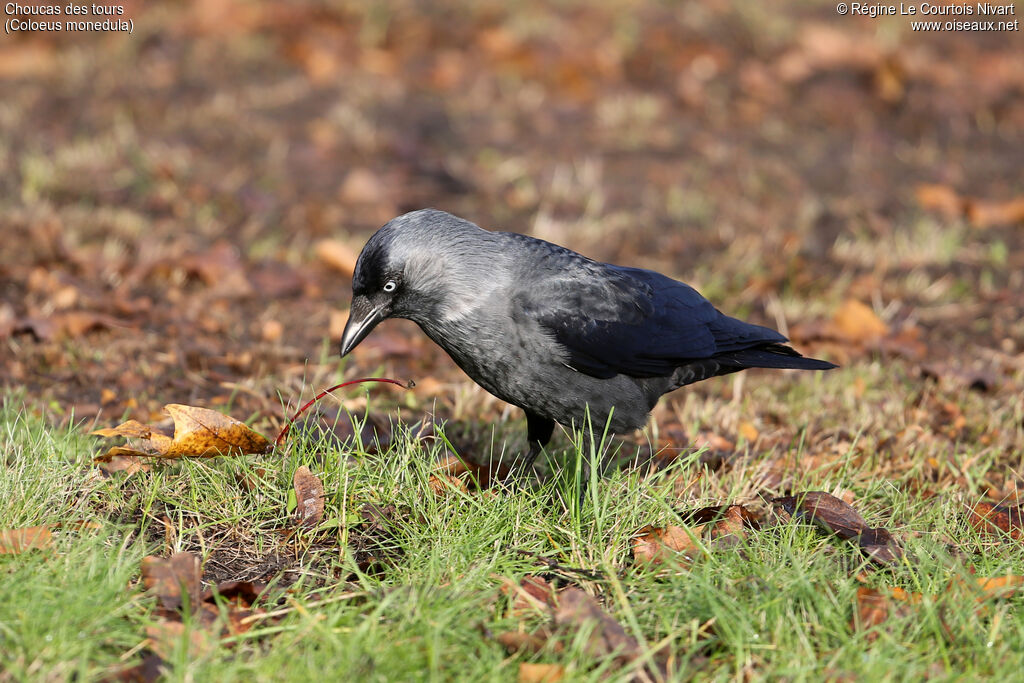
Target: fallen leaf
column 999, row 586
column 540, row 673
column 309, row 497
column 174, row 579
column 731, row 527
column 129, row 464
column 749, row 432
column 78, row 323
column 165, row 637
column 444, row 484
column 16, row 541
column 271, row 331
column 220, row 268
column 338, row 255
column 992, row 519
column 131, row 429
column 531, row 595
column 530, row 643
column 987, row 214
column 579, row 610
column 840, row 518
column 873, row 609
column 941, row 198
column 149, row 670
column 198, row 433
column 856, row 322
column 654, row 545
column 362, row 186
column 957, row 376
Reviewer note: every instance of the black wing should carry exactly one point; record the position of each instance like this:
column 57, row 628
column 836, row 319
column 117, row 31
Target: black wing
column 614, row 320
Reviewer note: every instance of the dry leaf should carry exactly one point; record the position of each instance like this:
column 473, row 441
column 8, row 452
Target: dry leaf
column 15, row 541
column 992, row 519
column 309, row 497
column 172, row 579
column 540, row 673
column 999, row 586
column 531, row 595
column 165, row 635
column 129, row 464
column 872, row 610
column 654, row 545
column 362, row 186
column 198, row 433
column 856, row 322
column 338, row 255
column 841, row 519
column 443, row 484
column 987, row 214
column 530, row 643
column 940, row 198
column 607, row 636
column 731, row 527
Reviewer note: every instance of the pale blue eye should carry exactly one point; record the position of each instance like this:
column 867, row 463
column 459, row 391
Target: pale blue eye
column 390, row 286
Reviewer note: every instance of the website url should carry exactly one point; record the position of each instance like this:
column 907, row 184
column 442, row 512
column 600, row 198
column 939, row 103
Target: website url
column 965, row 25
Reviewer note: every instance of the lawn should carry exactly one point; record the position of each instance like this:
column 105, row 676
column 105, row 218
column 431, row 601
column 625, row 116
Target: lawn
column 181, row 208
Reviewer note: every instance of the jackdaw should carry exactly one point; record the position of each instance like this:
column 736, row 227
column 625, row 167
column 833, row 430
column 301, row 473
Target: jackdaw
column 547, row 329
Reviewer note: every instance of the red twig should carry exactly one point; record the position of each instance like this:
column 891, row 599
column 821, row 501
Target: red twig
column 300, row 411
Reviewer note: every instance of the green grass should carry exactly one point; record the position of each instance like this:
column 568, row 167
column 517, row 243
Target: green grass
column 778, row 605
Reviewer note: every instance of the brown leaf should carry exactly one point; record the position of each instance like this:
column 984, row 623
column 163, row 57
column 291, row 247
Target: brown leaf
column 16, row 541
column 165, row 636
column 941, row 198
column 338, row 255
column 956, row 376
column 987, row 214
column 654, row 545
column 540, row 673
column 198, row 433
column 993, row 519
column 530, row 595
column 530, row 643
column 999, row 586
column 715, row 513
column 309, row 497
column 840, row 518
column 131, row 428
column 855, row 322
column 825, row 510
column 578, row 610
column 172, row 579
column 731, row 527
column 219, row 267
column 111, row 462
column 872, row 610
column 444, row 484
column 362, row 186
column 78, row 323
column 149, row 670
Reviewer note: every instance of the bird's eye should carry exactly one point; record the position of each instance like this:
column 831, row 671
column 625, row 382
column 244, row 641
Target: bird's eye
column 390, row 286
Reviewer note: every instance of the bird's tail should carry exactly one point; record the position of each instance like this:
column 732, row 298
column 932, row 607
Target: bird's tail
column 771, row 356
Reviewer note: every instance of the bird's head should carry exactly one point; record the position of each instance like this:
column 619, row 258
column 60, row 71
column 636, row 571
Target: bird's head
column 418, row 266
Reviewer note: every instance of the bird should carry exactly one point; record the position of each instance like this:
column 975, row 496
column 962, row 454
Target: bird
column 562, row 336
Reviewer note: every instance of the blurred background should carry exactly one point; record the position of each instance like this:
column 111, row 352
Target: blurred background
column 181, row 206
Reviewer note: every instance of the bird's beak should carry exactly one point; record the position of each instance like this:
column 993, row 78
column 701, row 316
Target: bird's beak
column 362, row 318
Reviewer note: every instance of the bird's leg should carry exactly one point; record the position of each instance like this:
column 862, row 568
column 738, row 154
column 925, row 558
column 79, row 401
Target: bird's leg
column 538, row 433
